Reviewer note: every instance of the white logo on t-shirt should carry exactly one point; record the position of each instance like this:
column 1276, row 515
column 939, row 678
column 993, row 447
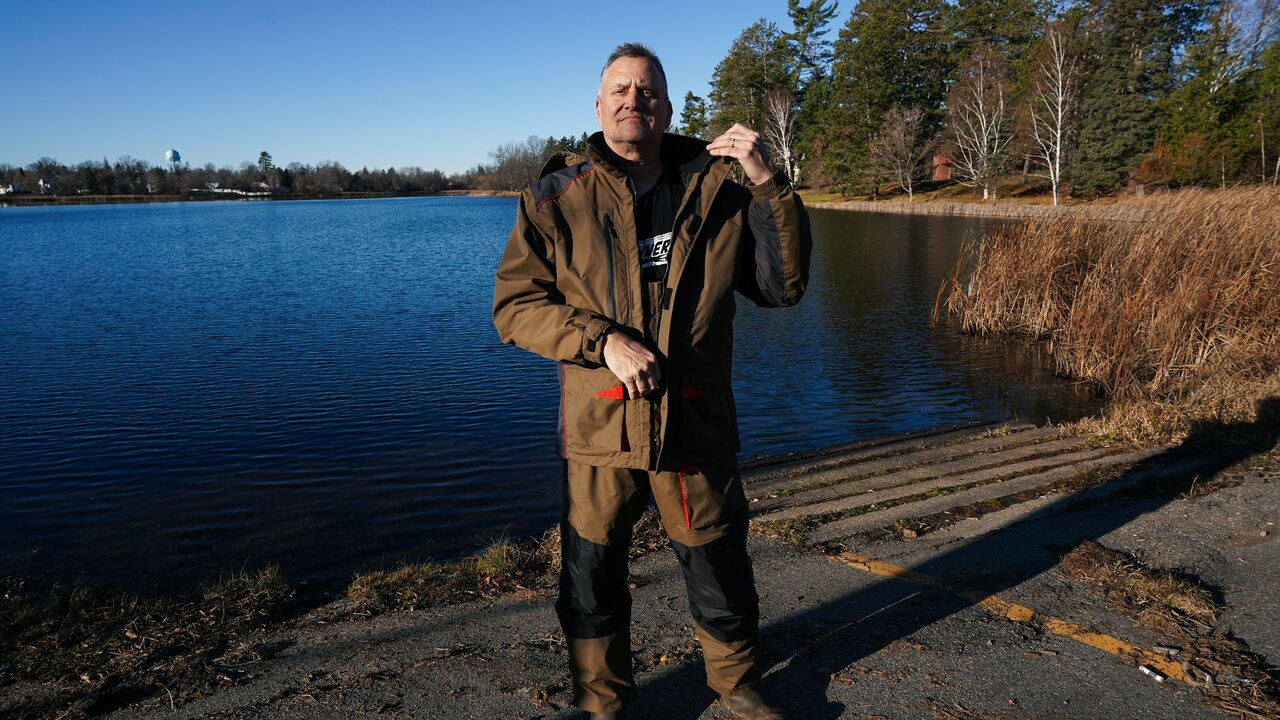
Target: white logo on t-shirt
column 654, row 251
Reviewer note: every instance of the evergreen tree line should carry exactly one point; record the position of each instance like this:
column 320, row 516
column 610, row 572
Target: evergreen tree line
column 1089, row 95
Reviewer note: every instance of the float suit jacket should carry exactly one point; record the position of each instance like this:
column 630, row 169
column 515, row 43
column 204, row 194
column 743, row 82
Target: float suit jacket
column 571, row 271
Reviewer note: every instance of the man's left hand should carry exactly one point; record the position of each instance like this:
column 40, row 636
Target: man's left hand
column 745, row 145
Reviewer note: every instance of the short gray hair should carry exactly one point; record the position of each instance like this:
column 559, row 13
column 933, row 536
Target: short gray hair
column 636, row 50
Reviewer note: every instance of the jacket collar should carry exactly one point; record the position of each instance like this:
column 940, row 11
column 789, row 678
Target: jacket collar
column 558, row 162
column 687, row 154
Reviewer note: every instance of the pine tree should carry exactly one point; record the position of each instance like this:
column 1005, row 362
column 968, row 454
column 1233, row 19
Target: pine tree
column 756, row 63
column 1266, row 111
column 693, row 117
column 890, row 52
column 1009, row 26
column 808, row 49
column 1131, row 46
column 1211, row 130
column 763, row 66
column 107, row 177
column 809, row 56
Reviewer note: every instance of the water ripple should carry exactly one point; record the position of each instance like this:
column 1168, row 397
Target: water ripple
column 195, row 387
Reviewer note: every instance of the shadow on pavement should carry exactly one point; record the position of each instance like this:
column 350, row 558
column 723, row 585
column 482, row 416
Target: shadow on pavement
column 1002, row 559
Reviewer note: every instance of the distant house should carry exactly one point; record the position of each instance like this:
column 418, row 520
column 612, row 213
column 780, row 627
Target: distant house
column 942, row 163
column 214, row 187
column 10, row 188
column 45, row 186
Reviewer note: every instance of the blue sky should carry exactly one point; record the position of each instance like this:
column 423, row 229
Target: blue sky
column 432, row 84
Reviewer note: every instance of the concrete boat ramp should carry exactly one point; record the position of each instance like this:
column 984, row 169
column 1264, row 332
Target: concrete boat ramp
column 909, row 483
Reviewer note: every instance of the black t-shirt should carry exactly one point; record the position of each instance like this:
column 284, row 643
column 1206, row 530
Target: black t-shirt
column 655, row 219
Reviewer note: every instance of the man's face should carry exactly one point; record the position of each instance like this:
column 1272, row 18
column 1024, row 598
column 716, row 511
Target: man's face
column 632, row 105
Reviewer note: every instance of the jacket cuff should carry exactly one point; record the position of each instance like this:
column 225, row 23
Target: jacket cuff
column 771, row 187
column 592, row 337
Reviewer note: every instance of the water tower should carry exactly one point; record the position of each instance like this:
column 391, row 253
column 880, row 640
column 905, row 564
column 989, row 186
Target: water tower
column 174, row 158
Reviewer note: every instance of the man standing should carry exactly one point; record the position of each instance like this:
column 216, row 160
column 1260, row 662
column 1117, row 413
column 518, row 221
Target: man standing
column 622, row 267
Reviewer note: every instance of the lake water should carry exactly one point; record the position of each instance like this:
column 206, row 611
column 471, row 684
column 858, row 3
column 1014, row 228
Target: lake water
column 191, row 388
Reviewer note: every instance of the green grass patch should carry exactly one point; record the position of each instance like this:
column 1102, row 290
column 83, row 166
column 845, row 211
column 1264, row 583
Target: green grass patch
column 505, row 565
column 789, row 530
column 812, row 196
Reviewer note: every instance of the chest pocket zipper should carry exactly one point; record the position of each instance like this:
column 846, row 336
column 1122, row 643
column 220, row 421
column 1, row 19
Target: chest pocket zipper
column 610, row 234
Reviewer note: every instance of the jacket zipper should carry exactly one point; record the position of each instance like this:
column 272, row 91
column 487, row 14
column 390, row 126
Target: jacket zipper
column 609, row 234
column 685, row 210
column 655, row 410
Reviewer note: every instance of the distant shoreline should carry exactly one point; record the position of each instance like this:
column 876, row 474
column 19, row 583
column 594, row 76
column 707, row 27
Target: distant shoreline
column 1106, row 209
column 47, row 200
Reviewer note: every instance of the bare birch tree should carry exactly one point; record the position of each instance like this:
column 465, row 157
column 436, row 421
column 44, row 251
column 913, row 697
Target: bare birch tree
column 899, row 149
column 1053, row 106
column 979, row 121
column 1242, row 29
column 1246, row 27
column 780, row 130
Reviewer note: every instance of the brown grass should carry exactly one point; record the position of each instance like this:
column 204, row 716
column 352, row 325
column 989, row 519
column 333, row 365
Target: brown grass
column 788, row 530
column 505, row 566
column 86, row 650
column 1176, row 318
column 502, row 567
column 1162, row 595
column 1225, row 671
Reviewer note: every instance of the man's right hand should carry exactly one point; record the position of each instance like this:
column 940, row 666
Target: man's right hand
column 634, row 364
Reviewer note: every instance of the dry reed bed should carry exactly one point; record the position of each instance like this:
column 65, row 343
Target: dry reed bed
column 1177, row 318
column 1116, row 212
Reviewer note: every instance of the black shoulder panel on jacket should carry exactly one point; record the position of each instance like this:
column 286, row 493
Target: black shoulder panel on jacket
column 553, row 185
column 688, row 154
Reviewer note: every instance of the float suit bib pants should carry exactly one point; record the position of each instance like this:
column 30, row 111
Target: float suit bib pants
column 704, row 512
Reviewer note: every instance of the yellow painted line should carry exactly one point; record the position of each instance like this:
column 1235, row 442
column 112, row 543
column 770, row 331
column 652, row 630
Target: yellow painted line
column 1001, row 608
